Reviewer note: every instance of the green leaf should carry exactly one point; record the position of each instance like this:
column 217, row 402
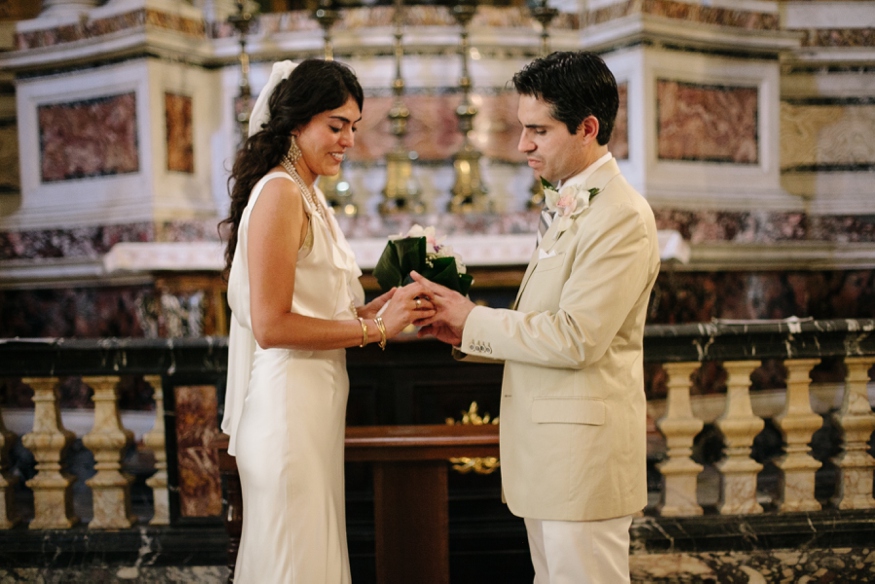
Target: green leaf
column 443, row 271
column 465, row 281
column 400, row 256
column 411, row 254
column 546, row 184
column 388, row 269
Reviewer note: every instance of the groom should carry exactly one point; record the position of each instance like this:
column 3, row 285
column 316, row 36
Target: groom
column 572, row 400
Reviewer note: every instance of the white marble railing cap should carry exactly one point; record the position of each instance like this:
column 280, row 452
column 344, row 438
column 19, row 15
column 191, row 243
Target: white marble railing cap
column 475, row 250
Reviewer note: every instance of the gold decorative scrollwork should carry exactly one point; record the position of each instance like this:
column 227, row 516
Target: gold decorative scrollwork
column 479, row 465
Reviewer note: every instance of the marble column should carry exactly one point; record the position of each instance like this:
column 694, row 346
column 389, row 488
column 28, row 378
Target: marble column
column 155, row 441
column 52, row 500
column 679, row 426
column 107, row 440
column 739, row 427
column 8, row 515
column 798, row 423
column 856, row 421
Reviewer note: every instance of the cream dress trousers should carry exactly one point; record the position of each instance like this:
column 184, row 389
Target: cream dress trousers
column 285, row 414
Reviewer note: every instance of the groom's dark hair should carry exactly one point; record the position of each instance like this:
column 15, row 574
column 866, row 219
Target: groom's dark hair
column 576, row 85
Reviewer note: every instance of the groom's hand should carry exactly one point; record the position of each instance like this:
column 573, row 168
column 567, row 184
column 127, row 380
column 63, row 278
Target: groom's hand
column 452, row 310
column 441, row 332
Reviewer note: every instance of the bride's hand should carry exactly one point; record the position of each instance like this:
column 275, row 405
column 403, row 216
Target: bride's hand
column 408, row 304
column 373, row 307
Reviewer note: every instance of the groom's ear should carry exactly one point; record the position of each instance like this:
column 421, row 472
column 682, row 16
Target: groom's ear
column 588, row 129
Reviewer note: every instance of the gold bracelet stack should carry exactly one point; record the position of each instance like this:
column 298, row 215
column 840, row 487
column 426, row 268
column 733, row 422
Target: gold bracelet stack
column 382, row 327
column 364, row 331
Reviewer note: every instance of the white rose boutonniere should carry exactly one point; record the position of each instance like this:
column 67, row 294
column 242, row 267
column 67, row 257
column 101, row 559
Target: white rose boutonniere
column 567, row 202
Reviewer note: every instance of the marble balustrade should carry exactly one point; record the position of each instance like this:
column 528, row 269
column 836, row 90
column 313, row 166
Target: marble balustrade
column 680, row 354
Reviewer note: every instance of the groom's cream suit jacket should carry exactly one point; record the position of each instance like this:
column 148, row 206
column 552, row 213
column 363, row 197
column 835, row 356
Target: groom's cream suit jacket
column 573, row 429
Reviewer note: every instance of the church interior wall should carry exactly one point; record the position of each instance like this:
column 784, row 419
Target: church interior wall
column 747, row 125
column 746, row 129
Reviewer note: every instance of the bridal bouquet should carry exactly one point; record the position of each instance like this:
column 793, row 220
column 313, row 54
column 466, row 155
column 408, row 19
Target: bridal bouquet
column 421, row 250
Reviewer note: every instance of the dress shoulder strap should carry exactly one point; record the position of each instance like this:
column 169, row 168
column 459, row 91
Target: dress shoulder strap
column 259, row 186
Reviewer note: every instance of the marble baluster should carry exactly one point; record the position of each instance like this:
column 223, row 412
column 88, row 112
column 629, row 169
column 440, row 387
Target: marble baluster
column 856, row 422
column 798, row 423
column 8, row 514
column 52, row 499
column 154, row 440
column 739, row 427
column 107, row 440
column 679, row 426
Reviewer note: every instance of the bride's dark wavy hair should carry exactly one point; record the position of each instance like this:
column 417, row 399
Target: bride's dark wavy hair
column 313, row 87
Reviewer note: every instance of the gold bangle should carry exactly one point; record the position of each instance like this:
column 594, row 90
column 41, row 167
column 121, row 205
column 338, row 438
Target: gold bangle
column 382, row 327
column 364, row 331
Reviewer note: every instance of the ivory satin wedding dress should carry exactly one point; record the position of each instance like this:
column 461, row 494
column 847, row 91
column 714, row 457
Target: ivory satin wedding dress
column 285, row 413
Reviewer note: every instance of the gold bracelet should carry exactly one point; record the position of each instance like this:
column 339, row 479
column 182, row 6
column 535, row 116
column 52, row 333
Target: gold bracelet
column 364, row 331
column 382, row 327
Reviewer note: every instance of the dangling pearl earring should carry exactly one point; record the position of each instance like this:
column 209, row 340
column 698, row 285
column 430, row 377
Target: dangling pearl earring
column 294, row 152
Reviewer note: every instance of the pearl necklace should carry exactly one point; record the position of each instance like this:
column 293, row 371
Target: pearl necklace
column 287, row 164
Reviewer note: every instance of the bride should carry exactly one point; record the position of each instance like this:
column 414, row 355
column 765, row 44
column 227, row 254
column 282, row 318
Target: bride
column 297, row 306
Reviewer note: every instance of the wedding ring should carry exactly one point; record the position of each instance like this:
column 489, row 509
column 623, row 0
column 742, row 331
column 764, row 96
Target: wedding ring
column 418, row 302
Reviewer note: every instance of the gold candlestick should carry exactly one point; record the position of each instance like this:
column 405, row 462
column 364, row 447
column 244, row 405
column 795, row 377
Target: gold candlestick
column 469, row 192
column 543, row 14
column 402, row 192
column 242, row 20
column 337, row 190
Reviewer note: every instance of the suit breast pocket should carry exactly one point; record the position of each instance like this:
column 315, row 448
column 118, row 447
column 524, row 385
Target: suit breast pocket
column 550, row 263
column 568, row 410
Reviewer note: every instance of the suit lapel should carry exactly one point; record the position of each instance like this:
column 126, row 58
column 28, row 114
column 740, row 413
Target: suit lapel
column 599, row 179
column 531, row 268
column 603, row 175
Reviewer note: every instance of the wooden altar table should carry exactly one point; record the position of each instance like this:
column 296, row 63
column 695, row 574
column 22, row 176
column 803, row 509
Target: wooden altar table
column 411, row 517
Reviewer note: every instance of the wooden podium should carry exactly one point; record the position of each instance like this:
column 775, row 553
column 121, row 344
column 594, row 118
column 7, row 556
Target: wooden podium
column 411, row 517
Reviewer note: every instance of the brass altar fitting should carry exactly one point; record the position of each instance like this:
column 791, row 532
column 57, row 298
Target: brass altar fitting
column 544, row 15
column 326, row 15
column 479, row 465
column 402, row 192
column 337, row 189
column 469, row 192
column 242, row 21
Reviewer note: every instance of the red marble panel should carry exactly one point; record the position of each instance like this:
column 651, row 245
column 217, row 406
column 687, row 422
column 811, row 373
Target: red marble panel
column 10, row 179
column 706, row 122
column 619, row 142
column 842, row 37
column 433, row 128
column 174, row 22
column 420, row 15
column 95, row 137
column 86, row 29
column 180, row 136
column 686, row 11
column 497, row 129
column 200, row 488
column 684, row 297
